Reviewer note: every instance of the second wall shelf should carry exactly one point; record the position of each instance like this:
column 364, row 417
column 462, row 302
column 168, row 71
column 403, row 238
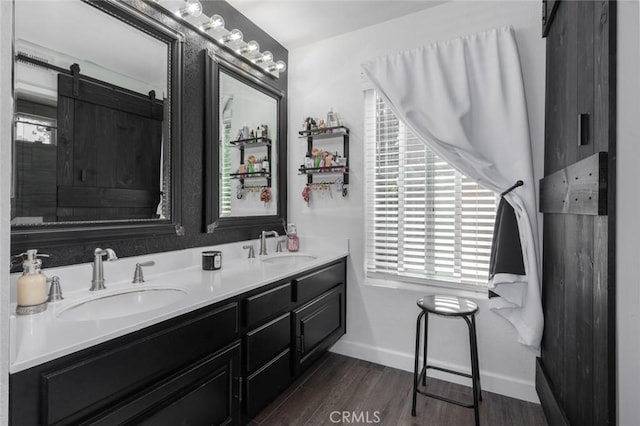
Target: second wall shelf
column 313, row 135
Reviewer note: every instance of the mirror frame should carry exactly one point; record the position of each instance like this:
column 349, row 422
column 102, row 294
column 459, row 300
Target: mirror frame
column 61, row 234
column 245, row 226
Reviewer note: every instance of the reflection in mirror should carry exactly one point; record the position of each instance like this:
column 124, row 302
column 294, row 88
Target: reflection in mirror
column 248, row 130
column 92, row 129
column 246, row 149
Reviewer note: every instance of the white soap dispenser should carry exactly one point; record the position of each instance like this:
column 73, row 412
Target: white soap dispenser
column 32, row 285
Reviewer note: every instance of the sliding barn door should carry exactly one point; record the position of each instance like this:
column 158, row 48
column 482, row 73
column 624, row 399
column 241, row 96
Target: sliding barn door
column 575, row 376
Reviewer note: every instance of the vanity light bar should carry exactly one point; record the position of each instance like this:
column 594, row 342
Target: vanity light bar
column 214, row 27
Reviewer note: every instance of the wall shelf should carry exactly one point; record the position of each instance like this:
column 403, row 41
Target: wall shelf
column 313, row 135
column 314, row 170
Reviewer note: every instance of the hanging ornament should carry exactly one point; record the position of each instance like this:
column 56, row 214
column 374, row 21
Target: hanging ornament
column 265, row 195
column 306, row 194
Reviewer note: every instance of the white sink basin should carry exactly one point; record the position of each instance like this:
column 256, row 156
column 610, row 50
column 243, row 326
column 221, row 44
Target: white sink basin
column 121, row 304
column 290, row 259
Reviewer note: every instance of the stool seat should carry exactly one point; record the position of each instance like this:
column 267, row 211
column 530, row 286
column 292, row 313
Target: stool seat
column 448, row 305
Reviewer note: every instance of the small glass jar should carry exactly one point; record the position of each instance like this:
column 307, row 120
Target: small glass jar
column 293, row 242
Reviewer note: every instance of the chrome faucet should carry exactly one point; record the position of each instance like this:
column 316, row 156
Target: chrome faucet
column 97, row 282
column 263, row 240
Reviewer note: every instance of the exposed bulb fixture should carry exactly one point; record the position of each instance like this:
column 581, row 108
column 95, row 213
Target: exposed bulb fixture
column 235, row 36
column 249, row 49
column 214, row 28
column 265, row 57
column 190, row 8
column 215, row 23
column 279, row 66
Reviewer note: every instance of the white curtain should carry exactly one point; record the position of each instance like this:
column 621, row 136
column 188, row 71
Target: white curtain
column 464, row 98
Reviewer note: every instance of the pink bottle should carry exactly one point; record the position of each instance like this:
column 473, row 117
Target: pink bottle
column 293, row 242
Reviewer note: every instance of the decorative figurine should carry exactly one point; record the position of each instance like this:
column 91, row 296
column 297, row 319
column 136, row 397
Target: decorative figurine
column 251, row 161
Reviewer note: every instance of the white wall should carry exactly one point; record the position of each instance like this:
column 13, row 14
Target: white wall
column 628, row 205
column 381, row 321
column 5, row 179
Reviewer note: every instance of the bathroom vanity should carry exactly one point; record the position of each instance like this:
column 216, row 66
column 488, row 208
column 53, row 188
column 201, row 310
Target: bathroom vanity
column 218, row 355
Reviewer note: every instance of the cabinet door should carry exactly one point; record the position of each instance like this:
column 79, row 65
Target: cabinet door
column 205, row 393
column 318, row 324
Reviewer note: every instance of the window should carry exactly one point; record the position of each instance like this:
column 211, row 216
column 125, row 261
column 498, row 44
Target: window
column 426, row 223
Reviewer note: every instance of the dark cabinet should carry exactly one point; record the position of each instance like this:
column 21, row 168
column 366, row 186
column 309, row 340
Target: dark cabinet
column 206, row 393
column 205, row 367
column 261, row 306
column 313, row 284
column 266, row 341
column 265, row 385
column 123, row 374
column 318, row 325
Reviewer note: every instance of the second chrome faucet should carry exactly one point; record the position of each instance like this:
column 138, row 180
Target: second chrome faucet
column 97, row 281
column 263, row 240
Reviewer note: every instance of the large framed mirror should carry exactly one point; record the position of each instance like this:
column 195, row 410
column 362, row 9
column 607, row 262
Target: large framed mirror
column 97, row 116
column 245, row 165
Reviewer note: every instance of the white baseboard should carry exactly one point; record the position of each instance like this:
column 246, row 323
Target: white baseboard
column 492, row 382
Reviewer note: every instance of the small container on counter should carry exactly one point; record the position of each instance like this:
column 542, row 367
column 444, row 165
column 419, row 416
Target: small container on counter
column 293, row 242
column 211, row 260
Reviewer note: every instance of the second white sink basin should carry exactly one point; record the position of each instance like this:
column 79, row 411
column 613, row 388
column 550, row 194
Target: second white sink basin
column 121, row 304
column 289, row 259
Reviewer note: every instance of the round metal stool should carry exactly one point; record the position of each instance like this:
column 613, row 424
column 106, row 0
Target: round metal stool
column 447, row 306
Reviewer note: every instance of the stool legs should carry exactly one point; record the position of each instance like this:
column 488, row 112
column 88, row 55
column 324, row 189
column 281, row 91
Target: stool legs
column 424, row 352
column 415, row 365
column 475, row 348
column 475, row 374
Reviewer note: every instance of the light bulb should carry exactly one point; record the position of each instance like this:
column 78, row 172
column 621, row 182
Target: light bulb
column 279, row 66
column 265, row 57
column 250, row 48
column 190, row 8
column 214, row 23
column 235, row 36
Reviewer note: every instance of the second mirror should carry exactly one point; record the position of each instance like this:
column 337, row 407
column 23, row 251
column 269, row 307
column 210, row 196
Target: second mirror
column 245, row 166
column 248, row 162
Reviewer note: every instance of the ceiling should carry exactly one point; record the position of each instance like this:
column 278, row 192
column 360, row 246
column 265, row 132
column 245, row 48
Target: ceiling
column 297, row 23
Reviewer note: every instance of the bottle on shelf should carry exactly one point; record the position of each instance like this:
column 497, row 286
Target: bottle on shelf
column 293, row 242
column 332, row 118
column 308, row 161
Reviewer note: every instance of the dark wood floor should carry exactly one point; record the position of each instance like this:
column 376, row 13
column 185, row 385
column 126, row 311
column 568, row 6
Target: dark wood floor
column 341, row 384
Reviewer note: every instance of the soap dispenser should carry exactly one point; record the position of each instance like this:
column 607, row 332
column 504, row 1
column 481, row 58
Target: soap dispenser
column 293, row 242
column 32, row 285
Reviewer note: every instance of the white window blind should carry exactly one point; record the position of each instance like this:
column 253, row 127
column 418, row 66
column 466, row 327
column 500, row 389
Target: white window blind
column 425, row 221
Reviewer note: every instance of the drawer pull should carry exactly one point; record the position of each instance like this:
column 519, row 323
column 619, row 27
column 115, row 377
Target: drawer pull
column 238, row 394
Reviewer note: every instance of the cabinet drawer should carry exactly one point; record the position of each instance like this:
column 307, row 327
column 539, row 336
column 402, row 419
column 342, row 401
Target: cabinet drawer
column 265, row 385
column 89, row 385
column 204, row 393
column 309, row 286
column 266, row 304
column 265, row 342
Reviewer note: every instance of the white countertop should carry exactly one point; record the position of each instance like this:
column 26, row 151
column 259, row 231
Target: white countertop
column 39, row 338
